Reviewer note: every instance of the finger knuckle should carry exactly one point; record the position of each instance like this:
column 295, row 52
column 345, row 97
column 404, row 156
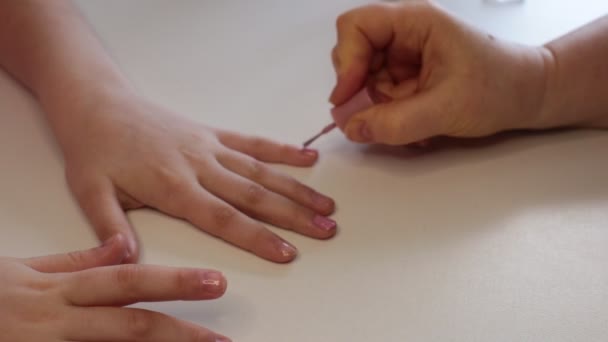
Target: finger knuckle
column 127, row 278
column 296, row 187
column 175, row 186
column 174, row 181
column 343, row 20
column 256, row 170
column 85, row 191
column 37, row 316
column 186, row 281
column 140, row 324
column 256, row 144
column 127, row 202
column 223, row 217
column 296, row 217
column 255, row 194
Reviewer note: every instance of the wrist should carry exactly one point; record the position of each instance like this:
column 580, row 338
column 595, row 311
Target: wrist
column 543, row 116
column 78, row 97
column 570, row 98
column 76, row 108
column 526, row 76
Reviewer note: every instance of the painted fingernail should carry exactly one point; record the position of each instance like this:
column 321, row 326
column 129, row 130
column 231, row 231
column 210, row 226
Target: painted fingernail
column 324, row 223
column 213, row 282
column 364, row 132
column 309, row 152
column 287, row 250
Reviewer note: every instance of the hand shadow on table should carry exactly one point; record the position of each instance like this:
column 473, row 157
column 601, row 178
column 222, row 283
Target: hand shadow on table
column 445, row 144
column 233, row 314
column 458, row 187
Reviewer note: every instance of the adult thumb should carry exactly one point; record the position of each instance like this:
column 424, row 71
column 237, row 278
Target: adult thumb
column 399, row 122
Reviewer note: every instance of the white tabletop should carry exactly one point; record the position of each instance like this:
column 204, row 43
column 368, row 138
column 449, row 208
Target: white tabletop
column 507, row 242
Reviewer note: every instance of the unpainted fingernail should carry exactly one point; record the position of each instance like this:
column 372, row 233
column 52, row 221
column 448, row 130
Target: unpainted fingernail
column 131, row 250
column 324, row 223
column 365, row 133
column 334, row 92
column 107, row 244
column 321, row 200
column 111, row 240
column 213, row 282
column 222, row 339
column 423, row 143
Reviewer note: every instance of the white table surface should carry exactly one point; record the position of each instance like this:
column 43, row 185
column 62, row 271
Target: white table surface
column 507, row 242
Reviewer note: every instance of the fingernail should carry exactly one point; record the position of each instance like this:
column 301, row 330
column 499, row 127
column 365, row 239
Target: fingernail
column 332, row 96
column 334, row 92
column 213, row 282
column 131, row 250
column 423, row 143
column 364, row 132
column 321, row 200
column 324, row 223
column 111, row 240
column 222, row 339
column 309, row 152
column 126, row 258
column 287, row 250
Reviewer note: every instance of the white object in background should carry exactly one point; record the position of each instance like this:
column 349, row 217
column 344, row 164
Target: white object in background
column 503, row 2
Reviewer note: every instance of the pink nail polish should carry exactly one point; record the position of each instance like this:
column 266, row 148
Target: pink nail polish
column 324, row 223
column 287, row 250
column 309, row 152
column 213, row 282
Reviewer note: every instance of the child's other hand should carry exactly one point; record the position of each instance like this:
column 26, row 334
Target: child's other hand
column 80, row 296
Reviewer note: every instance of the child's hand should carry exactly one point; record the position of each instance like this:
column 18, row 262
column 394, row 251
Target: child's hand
column 124, row 152
column 446, row 77
column 80, row 297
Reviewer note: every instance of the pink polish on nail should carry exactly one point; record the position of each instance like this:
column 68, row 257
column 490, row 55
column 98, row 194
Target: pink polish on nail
column 287, row 250
column 324, row 223
column 213, row 282
column 309, row 152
